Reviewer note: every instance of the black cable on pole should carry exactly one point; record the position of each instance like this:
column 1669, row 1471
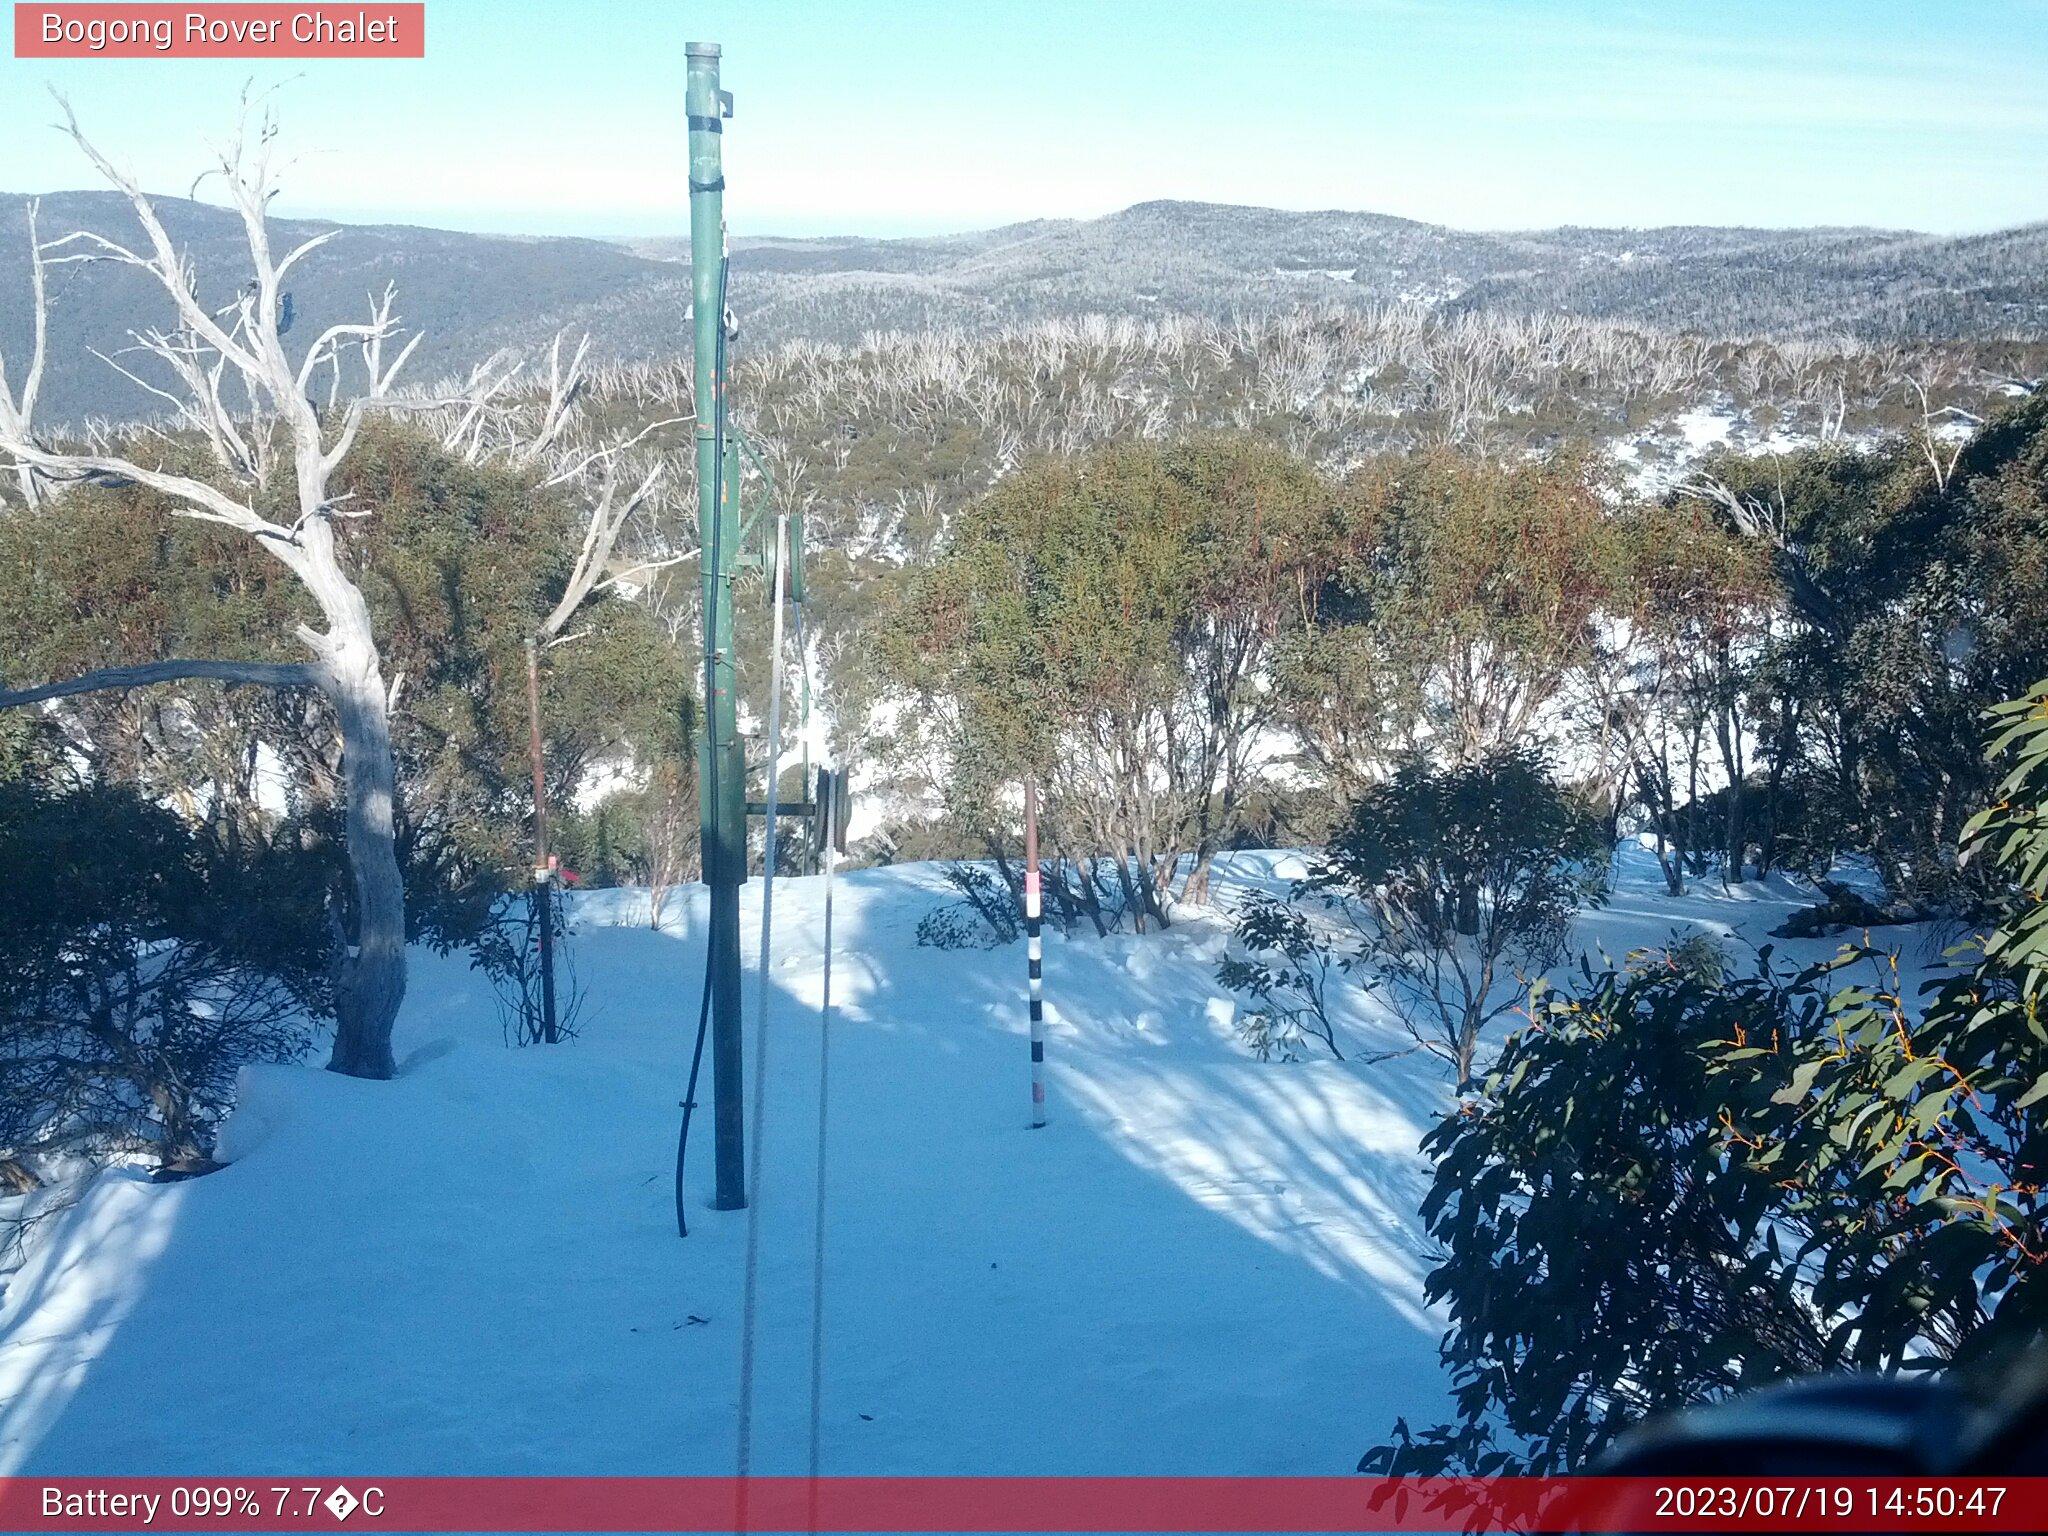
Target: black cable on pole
column 690, row 1101
column 689, row 1104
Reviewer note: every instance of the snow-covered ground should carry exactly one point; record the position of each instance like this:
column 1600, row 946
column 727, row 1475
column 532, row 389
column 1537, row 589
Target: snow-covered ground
column 1204, row 1264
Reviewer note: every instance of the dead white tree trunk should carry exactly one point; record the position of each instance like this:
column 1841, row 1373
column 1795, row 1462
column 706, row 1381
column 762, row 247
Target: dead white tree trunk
column 608, row 517
column 1932, row 376
column 17, row 412
column 206, row 350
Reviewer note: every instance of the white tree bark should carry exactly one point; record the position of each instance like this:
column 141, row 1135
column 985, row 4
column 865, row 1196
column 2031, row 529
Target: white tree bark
column 205, row 351
column 17, row 412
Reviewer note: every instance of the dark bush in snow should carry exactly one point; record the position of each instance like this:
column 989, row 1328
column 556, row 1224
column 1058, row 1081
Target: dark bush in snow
column 141, row 968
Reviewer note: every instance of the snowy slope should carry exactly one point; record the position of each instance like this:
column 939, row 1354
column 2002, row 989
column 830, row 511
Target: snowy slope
column 1205, row 1264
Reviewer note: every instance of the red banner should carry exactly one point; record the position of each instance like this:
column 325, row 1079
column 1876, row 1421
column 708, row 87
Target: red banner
column 114, row 31
column 1150, row 1504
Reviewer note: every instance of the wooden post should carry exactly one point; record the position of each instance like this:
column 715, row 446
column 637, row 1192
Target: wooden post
column 1034, row 953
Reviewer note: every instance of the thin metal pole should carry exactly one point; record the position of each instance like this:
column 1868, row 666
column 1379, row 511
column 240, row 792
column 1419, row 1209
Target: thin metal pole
column 818, row 1220
column 1034, row 952
column 543, row 872
column 807, row 793
column 751, row 1285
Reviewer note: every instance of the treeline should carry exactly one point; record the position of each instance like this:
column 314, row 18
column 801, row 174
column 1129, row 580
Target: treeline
column 1455, row 681
column 878, row 430
column 883, row 445
column 1205, row 644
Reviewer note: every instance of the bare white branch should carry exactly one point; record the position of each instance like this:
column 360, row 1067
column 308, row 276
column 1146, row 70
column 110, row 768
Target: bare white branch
column 607, row 518
column 17, row 413
column 575, row 469
column 203, row 502
column 564, row 385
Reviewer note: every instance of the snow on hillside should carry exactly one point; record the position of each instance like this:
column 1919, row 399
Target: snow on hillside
column 1204, row 1264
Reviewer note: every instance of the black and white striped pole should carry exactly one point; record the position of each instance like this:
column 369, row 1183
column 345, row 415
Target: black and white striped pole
column 1035, row 953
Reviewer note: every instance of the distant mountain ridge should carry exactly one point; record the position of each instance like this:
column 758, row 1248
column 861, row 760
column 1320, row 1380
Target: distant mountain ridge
column 475, row 293
column 471, row 294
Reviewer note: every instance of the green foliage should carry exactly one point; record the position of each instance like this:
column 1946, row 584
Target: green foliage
column 1060, row 590
column 1485, row 586
column 1097, row 619
column 1773, row 675
column 459, row 563
column 1698, row 954
column 1700, row 599
column 1457, row 880
column 1464, row 603
column 110, row 577
column 1676, row 1185
column 602, row 845
column 1352, row 707
column 1604, row 1255
column 144, row 966
column 985, row 916
column 1289, row 972
column 1921, row 600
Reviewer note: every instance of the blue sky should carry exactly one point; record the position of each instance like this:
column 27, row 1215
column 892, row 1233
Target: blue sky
column 926, row 115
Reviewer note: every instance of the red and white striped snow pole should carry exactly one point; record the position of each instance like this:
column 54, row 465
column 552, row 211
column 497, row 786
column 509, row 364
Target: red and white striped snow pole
column 1035, row 954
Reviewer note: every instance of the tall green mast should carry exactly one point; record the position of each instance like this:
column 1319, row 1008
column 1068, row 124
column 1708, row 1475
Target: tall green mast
column 721, row 765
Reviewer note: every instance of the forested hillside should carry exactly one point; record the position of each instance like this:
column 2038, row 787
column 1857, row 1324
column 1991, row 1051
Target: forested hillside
column 1211, row 259
column 472, row 294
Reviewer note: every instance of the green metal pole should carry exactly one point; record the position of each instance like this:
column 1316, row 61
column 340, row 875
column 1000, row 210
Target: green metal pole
column 721, row 777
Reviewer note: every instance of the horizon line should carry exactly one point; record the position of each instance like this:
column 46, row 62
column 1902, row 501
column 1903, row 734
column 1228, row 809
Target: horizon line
column 621, row 232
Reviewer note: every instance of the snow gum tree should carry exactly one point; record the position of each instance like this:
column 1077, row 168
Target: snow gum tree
column 1106, row 623
column 272, row 466
column 1468, row 609
column 1703, row 605
column 1448, row 887
column 1488, row 588
column 1913, row 600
